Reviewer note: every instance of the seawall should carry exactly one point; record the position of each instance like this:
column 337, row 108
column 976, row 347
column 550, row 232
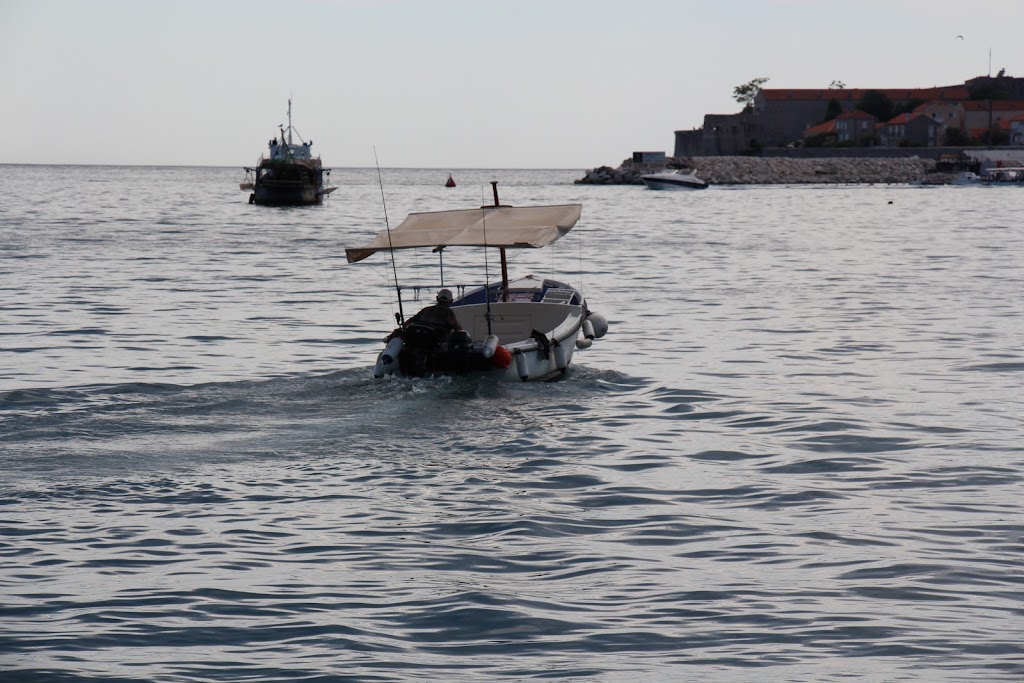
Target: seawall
column 779, row 170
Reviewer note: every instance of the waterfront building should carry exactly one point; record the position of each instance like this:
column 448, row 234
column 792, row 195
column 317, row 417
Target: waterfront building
column 782, row 117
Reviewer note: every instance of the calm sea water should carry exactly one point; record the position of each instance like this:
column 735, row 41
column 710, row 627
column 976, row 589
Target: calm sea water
column 797, row 455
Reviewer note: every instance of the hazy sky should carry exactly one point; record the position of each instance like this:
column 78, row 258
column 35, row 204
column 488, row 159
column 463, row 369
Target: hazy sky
column 448, row 83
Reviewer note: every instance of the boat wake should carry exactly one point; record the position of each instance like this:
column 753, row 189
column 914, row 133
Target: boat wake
column 100, row 429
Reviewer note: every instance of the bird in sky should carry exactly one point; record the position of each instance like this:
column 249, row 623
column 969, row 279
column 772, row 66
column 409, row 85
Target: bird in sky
column 960, row 37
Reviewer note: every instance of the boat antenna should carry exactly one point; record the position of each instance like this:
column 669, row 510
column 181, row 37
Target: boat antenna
column 487, row 272
column 289, row 121
column 400, row 316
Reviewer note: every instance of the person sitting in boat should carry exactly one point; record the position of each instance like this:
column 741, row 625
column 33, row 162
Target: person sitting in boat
column 424, row 332
column 439, row 317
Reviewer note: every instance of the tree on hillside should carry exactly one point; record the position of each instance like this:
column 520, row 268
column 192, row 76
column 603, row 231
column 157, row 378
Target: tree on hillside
column 746, row 93
column 877, row 104
column 990, row 87
column 956, row 137
column 907, row 107
column 835, row 108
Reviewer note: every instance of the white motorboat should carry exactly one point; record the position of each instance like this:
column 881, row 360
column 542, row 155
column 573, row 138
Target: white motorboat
column 1003, row 174
column 676, row 179
column 518, row 330
column 966, row 178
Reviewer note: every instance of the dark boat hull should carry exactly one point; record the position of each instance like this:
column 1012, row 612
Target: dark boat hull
column 286, row 194
column 289, row 184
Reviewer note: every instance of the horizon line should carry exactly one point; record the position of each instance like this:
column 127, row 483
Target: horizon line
column 408, row 168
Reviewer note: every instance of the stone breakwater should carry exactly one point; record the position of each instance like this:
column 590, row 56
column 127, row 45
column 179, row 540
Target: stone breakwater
column 769, row 171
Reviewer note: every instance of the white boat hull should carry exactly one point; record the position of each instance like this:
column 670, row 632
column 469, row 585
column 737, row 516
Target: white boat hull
column 523, row 330
column 537, row 339
column 678, row 183
column 672, row 180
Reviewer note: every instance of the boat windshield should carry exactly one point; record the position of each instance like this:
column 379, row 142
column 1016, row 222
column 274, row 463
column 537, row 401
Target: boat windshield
column 284, row 150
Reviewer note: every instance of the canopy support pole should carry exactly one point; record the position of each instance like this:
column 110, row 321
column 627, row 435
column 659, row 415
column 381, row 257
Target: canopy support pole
column 504, row 276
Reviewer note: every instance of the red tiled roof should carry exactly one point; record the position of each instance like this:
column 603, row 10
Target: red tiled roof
column 953, row 92
column 855, row 114
column 927, row 105
column 827, row 127
column 904, row 119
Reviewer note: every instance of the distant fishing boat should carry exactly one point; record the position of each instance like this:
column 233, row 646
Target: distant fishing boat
column 451, row 182
column 290, row 175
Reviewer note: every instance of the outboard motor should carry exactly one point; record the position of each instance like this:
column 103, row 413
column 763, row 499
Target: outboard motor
column 420, row 336
column 419, row 344
column 454, row 352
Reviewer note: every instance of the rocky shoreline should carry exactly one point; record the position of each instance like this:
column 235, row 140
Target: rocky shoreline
column 776, row 171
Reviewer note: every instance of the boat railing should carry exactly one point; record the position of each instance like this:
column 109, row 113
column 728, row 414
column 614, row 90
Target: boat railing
column 546, row 293
column 430, row 290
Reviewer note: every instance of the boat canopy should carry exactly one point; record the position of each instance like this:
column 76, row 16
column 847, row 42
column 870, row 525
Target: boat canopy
column 489, row 226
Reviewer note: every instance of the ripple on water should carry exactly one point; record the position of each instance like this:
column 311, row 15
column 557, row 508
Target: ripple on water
column 802, row 464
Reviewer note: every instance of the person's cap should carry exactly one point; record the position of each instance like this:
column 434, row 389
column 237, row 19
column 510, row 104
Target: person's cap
column 445, row 295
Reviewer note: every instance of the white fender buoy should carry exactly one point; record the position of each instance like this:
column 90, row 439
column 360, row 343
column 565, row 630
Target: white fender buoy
column 584, row 343
column 561, row 357
column 588, row 329
column 391, row 351
column 490, row 346
column 599, row 323
column 388, row 358
column 521, row 368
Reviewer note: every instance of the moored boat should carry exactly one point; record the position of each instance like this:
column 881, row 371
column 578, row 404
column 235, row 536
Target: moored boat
column 1003, row 174
column 289, row 175
column 674, row 179
column 966, row 178
column 525, row 329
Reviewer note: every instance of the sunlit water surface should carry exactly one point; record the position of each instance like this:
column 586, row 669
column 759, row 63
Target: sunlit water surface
column 796, row 456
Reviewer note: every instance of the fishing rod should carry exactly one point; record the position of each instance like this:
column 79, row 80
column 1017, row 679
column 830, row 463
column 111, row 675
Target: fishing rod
column 487, row 272
column 400, row 316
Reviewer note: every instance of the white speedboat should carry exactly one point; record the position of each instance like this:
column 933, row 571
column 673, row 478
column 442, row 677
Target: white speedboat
column 966, row 178
column 677, row 179
column 518, row 330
